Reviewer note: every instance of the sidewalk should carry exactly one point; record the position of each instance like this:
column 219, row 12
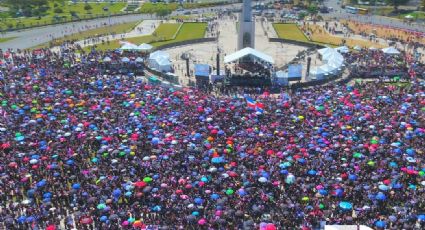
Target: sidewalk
column 146, row 27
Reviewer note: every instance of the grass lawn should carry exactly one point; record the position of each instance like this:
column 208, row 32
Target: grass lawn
column 416, row 15
column 78, row 8
column 290, row 32
column 117, row 29
column 188, row 31
column 6, row 39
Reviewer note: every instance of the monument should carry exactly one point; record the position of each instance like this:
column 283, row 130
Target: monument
column 246, row 27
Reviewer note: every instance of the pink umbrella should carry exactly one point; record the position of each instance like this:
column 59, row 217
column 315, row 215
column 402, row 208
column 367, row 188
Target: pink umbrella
column 202, row 221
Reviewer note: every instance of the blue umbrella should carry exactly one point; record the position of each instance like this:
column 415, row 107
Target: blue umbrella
column 103, row 218
column 352, row 177
column 312, row 172
column 344, row 205
column 421, row 217
column 397, row 186
column 41, row 183
column 70, row 162
column 76, row 186
column 380, row 196
column 47, row 195
column 215, row 196
column 323, row 192
column 195, row 213
column 383, row 187
column 30, row 193
column 157, row 208
column 30, row 219
column 116, row 193
column 22, row 219
column 380, row 224
column 217, row 160
column 198, row 200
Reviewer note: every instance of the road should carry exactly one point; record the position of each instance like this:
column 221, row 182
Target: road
column 340, row 13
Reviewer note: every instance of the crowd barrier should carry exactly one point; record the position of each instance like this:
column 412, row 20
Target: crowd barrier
column 187, row 42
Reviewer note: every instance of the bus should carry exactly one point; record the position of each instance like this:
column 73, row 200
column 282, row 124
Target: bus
column 351, row 10
column 362, row 11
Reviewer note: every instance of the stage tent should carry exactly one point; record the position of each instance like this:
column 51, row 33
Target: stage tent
column 160, row 61
column 248, row 52
column 390, row 50
column 343, row 49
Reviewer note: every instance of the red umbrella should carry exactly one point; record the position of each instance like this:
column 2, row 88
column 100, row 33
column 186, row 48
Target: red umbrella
column 51, row 227
column 140, row 184
column 86, row 220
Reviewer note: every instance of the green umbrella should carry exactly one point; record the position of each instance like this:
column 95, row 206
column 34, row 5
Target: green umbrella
column 320, row 108
column 371, row 163
column 68, row 91
column 357, row 155
column 306, row 199
column 421, row 173
column 121, row 154
column 321, row 206
column 229, row 191
column 18, row 134
column 147, row 179
column 101, row 206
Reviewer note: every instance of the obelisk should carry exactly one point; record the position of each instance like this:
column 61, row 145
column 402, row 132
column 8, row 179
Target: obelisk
column 246, row 27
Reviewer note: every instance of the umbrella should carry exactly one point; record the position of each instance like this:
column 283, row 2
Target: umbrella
column 380, row 224
column 381, row 196
column 125, row 59
column 421, row 217
column 101, row 206
column 86, row 220
column 144, row 47
column 107, row 59
column 383, row 187
column 262, row 179
column 344, row 205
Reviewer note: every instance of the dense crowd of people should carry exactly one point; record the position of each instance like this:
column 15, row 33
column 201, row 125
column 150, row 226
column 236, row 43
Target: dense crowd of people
column 87, row 150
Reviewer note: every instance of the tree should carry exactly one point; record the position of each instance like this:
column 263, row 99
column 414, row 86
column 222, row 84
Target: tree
column 423, row 4
column 87, row 7
column 163, row 12
column 396, row 3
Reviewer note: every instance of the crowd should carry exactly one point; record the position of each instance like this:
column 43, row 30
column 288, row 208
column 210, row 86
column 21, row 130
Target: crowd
column 376, row 62
column 85, row 150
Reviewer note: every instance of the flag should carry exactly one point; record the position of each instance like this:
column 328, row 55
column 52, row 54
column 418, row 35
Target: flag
column 250, row 102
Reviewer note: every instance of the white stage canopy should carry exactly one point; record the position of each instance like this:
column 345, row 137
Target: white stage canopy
column 248, row 52
column 390, row 50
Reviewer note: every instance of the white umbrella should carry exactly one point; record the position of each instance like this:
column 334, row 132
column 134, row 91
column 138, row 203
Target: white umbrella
column 139, row 59
column 125, row 59
column 372, row 48
column 409, row 16
column 144, row 47
column 390, row 50
column 26, row 201
column 33, row 161
column 262, row 179
column 107, row 59
column 129, row 46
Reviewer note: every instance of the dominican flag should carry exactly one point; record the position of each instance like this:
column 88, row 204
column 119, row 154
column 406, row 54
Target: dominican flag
column 251, row 103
